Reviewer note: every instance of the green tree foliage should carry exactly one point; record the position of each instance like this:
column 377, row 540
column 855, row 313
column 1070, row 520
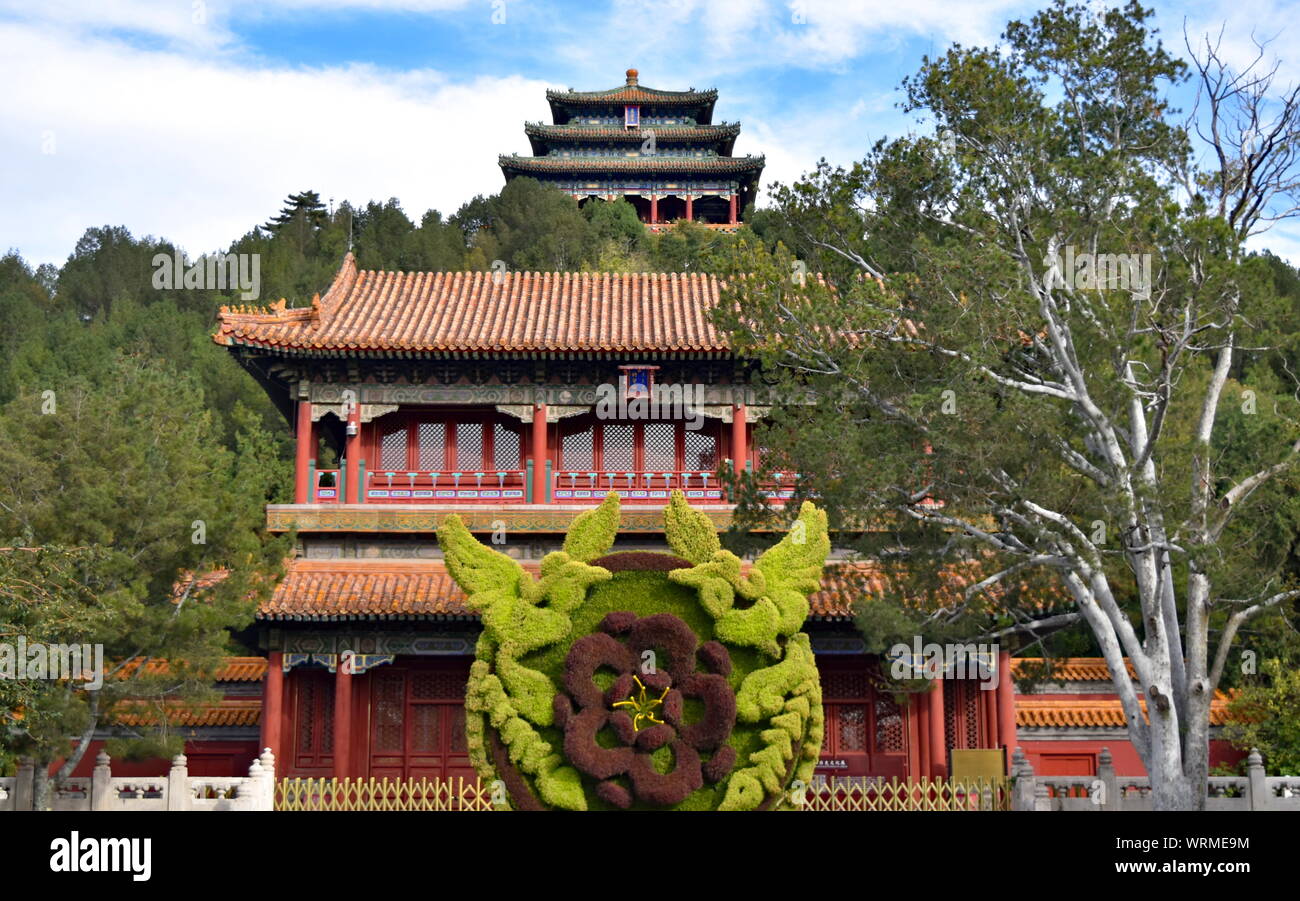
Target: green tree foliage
column 1008, row 430
column 1266, row 715
column 129, row 466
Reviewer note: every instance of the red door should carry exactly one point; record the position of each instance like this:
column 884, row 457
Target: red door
column 866, row 731
column 417, row 721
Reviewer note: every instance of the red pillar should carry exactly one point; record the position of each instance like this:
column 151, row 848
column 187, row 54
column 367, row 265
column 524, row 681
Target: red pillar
column 921, row 713
column 739, row 438
column 354, row 456
column 342, row 721
column 733, row 209
column 654, row 209
column 306, row 450
column 1006, row 705
column 273, row 706
column 539, row 454
column 690, row 208
column 989, row 710
column 938, row 744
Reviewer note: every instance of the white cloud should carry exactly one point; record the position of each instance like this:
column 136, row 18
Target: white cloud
column 198, row 150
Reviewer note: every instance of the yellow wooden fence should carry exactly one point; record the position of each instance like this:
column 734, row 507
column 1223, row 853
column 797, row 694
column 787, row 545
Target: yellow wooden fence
column 296, row 793
column 848, row 793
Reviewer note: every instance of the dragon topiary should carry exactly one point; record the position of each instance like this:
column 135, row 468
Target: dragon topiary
column 641, row 680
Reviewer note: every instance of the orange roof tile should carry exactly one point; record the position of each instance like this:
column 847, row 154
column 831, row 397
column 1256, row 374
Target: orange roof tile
column 1070, row 669
column 504, row 312
column 230, row 712
column 384, row 589
column 1038, row 713
column 232, row 669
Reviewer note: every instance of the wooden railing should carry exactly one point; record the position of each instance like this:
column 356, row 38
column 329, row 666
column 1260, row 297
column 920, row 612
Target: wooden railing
column 872, row 794
column 425, row 487
column 458, row 793
column 574, row 486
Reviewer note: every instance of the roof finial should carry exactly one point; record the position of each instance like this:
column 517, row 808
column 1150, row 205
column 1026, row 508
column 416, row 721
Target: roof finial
column 631, row 76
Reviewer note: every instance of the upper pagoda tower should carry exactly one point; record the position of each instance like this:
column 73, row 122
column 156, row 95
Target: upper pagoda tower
column 659, row 149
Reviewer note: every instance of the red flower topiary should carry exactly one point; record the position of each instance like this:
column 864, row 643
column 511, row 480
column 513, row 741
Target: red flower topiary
column 649, row 694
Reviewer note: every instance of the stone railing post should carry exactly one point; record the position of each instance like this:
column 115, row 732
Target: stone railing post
column 101, row 787
column 1042, row 800
column 266, row 765
column 25, row 784
column 179, row 794
column 1022, row 797
column 1257, row 782
column 1110, row 797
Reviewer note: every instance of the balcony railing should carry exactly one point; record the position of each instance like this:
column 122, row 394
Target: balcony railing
column 414, row 487
column 589, row 487
column 513, row 486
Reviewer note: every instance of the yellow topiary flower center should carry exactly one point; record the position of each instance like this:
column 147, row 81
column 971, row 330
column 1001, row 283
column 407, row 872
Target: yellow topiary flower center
column 642, row 705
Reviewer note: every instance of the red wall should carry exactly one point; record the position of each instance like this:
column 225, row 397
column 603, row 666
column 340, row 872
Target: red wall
column 1050, row 758
column 203, row 758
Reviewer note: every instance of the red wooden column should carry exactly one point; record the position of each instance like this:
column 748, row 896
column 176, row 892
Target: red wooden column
column 654, row 208
column 273, row 706
column 938, row 745
column 921, row 724
column 539, row 454
column 989, row 710
column 342, row 720
column 1006, row 705
column 690, row 208
column 354, row 456
column 739, row 438
column 732, row 220
column 306, row 450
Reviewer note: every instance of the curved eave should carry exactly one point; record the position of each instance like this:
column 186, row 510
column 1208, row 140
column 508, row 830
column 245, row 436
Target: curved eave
column 532, row 351
column 744, row 166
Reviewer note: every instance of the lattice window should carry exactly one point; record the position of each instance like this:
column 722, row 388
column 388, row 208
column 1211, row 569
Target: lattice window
column 433, row 446
column 618, row 447
column 844, row 684
column 424, row 727
column 950, row 715
column 389, row 701
column 437, row 685
column 306, row 716
column 661, row 447
column 469, row 445
column 971, row 705
column 392, row 449
column 889, row 725
column 456, row 713
column 701, row 451
column 576, row 451
column 853, row 727
column 505, row 447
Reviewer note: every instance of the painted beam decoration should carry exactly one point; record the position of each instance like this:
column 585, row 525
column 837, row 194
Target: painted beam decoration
column 641, row 680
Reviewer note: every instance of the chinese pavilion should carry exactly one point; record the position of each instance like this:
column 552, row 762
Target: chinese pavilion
column 658, row 149
column 479, row 394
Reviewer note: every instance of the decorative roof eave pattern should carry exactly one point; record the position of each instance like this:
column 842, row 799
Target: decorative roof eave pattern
column 500, row 313
column 571, row 132
column 658, row 163
column 230, row 712
column 633, row 94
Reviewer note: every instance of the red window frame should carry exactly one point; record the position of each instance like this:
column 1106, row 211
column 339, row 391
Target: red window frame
column 412, row 422
column 638, row 444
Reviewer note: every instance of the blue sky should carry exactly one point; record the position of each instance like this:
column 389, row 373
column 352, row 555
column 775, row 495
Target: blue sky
column 191, row 119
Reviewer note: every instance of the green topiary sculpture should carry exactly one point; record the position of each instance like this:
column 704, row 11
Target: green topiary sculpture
column 643, row 680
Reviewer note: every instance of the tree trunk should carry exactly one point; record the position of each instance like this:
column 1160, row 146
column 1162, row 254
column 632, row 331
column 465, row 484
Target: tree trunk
column 1177, row 792
column 41, row 785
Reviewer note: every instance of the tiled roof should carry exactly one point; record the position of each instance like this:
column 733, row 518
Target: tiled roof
column 579, row 132
column 390, row 589
column 1038, row 713
column 367, row 311
column 660, row 162
column 1070, row 669
column 232, row 669
column 633, row 93
column 230, row 712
